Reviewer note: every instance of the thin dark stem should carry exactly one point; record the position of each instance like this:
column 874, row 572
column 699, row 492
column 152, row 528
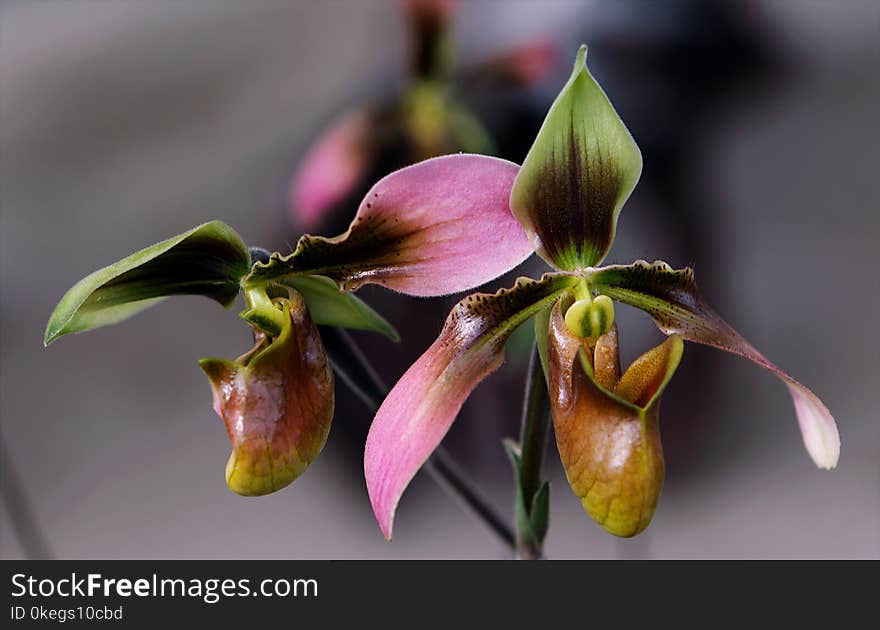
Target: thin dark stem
column 447, row 474
column 356, row 371
column 21, row 514
column 533, row 443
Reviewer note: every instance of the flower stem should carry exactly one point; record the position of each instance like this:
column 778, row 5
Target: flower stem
column 24, row 522
column 533, row 442
column 355, row 370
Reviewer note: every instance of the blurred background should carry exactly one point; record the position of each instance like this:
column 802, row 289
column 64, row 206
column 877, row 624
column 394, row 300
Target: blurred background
column 124, row 122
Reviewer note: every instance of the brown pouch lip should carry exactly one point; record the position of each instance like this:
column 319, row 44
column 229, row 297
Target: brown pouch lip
column 276, row 402
column 609, row 445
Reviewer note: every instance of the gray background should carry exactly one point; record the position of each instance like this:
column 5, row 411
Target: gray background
column 124, row 122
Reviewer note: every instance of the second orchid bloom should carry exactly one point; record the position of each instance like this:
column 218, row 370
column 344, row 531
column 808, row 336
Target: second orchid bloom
column 277, row 400
column 567, row 196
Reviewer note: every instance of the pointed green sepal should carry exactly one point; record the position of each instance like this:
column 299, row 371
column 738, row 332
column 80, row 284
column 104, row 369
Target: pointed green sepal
column 581, row 169
column 208, row 260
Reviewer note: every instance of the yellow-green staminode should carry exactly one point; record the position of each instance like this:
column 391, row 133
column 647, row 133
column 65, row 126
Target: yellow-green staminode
column 590, row 317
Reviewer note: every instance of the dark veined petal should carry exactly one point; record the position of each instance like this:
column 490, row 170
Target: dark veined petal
column 331, row 169
column 277, row 404
column 423, row 404
column 672, row 299
column 581, row 169
column 437, row 227
column 207, row 260
column 607, row 425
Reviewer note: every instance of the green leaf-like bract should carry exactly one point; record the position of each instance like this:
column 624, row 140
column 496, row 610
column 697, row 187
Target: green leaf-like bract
column 208, row 260
column 533, row 520
column 329, row 306
column 581, row 169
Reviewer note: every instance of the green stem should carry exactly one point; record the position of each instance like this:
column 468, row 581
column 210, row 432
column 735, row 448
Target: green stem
column 533, row 443
column 355, row 370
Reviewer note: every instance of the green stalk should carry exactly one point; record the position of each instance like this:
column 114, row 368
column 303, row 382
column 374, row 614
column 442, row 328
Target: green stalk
column 22, row 516
column 532, row 501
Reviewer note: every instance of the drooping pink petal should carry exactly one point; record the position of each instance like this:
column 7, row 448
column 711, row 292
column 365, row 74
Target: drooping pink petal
column 330, row 170
column 671, row 298
column 434, row 228
column 422, row 406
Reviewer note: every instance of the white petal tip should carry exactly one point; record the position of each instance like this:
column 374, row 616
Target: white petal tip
column 817, row 425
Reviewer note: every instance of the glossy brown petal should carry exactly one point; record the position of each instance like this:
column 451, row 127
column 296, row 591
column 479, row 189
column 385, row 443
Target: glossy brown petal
column 606, row 425
column 277, row 405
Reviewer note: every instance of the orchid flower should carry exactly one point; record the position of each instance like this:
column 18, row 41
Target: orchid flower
column 567, row 196
column 277, row 399
column 426, row 121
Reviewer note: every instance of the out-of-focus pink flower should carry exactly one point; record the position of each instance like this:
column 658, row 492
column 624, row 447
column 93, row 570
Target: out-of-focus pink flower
column 331, row 169
column 425, row 121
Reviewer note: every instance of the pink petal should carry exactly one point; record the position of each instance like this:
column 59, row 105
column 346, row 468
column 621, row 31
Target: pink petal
column 817, row 425
column 330, row 170
column 434, row 228
column 422, row 406
column 414, row 418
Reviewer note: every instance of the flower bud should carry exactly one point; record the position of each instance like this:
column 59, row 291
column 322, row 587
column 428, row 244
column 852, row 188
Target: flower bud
column 276, row 402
